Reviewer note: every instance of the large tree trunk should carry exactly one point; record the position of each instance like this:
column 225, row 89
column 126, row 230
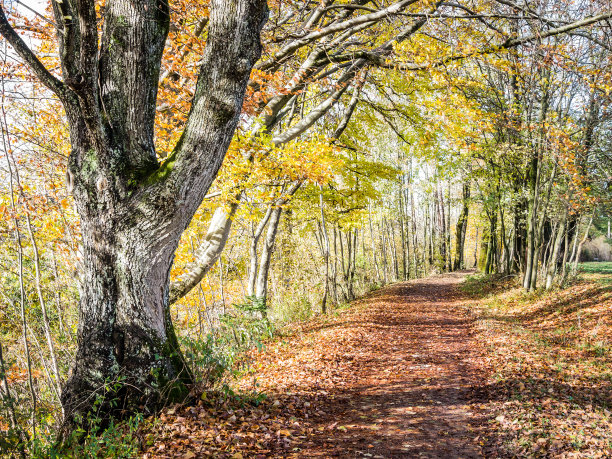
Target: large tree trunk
column 127, row 349
column 133, row 210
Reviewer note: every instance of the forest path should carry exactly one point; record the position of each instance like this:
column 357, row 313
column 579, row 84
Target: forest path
column 395, row 376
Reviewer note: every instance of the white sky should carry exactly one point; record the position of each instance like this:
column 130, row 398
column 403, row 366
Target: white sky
column 38, row 5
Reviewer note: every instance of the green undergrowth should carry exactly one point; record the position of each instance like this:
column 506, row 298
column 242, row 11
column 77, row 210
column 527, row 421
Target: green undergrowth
column 219, row 356
column 215, row 359
column 116, row 440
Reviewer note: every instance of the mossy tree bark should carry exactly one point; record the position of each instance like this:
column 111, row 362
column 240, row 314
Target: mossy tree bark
column 134, row 209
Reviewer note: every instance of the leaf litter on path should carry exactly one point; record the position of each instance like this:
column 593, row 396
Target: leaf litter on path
column 396, row 375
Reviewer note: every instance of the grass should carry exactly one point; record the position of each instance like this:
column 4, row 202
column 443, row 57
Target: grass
column 597, row 271
column 596, row 267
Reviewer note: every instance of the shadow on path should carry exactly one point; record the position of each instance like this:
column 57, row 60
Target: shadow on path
column 402, row 382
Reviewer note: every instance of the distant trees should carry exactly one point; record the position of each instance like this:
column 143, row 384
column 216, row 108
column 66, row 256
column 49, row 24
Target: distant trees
column 541, row 187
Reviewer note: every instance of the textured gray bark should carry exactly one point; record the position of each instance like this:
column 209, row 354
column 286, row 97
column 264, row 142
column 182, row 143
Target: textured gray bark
column 133, row 210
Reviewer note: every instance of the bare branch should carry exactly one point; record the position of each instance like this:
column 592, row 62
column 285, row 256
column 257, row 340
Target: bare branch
column 334, row 28
column 379, row 60
column 28, row 56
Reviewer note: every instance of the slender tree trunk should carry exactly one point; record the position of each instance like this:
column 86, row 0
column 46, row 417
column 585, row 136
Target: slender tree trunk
column 207, row 253
column 373, row 245
column 566, row 242
column 579, row 249
column 535, row 171
column 428, row 235
column 43, row 306
column 476, row 248
column 540, row 227
column 553, row 259
column 13, row 179
column 261, row 288
column 393, row 249
column 461, row 229
column 57, row 294
column 449, row 249
column 350, row 265
column 576, row 226
column 325, row 253
column 441, row 227
column 531, row 261
column 334, row 266
column 383, row 247
column 253, row 256
column 491, row 244
column 518, row 247
column 354, row 261
column 403, row 235
column 414, row 228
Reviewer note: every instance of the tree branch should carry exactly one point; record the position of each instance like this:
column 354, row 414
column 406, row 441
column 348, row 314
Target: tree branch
column 28, row 56
column 206, row 254
column 350, row 110
column 379, row 60
column 334, row 28
column 232, row 48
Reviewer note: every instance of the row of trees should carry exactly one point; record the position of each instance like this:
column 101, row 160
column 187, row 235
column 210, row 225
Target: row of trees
column 362, row 143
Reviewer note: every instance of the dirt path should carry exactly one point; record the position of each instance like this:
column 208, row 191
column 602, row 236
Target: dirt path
column 391, row 377
column 396, row 378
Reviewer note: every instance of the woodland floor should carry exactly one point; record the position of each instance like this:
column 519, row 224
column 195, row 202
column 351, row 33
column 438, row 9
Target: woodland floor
column 396, row 375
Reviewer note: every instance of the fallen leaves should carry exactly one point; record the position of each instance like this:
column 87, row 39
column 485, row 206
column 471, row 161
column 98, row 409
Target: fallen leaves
column 400, row 374
column 550, row 385
column 388, row 377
